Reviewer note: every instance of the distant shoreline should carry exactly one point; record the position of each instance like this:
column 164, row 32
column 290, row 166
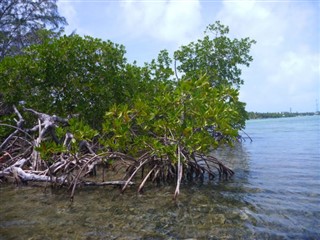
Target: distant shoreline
column 257, row 115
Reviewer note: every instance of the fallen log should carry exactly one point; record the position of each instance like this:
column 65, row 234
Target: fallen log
column 21, row 176
column 24, row 176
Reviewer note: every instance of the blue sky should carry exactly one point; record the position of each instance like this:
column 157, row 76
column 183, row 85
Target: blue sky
column 285, row 72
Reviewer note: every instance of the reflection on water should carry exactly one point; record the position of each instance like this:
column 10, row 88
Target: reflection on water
column 274, row 195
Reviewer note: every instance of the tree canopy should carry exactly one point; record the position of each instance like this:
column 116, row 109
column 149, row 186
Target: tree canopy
column 216, row 55
column 23, row 23
column 145, row 119
column 70, row 75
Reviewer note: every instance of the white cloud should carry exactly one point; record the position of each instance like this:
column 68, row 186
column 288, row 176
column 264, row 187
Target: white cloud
column 68, row 10
column 296, row 73
column 246, row 9
column 171, row 21
column 285, row 71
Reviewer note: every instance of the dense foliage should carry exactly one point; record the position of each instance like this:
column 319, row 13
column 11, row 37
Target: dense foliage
column 174, row 131
column 190, row 115
column 70, row 75
column 156, row 120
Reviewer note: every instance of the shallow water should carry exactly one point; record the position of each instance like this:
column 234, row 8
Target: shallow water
column 275, row 194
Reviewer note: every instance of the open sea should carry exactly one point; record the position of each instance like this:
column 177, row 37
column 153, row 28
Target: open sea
column 275, row 194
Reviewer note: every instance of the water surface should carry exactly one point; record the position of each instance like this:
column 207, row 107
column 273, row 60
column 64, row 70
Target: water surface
column 275, row 194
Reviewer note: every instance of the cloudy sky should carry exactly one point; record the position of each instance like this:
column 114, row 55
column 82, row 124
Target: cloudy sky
column 285, row 73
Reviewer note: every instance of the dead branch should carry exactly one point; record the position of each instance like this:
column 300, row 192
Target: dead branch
column 20, row 123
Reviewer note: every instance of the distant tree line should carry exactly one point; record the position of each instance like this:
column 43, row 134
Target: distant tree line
column 259, row 115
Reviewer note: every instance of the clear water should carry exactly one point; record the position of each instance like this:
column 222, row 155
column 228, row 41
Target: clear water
column 275, row 194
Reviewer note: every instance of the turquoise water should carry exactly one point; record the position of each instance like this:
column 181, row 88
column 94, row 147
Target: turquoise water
column 275, row 194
